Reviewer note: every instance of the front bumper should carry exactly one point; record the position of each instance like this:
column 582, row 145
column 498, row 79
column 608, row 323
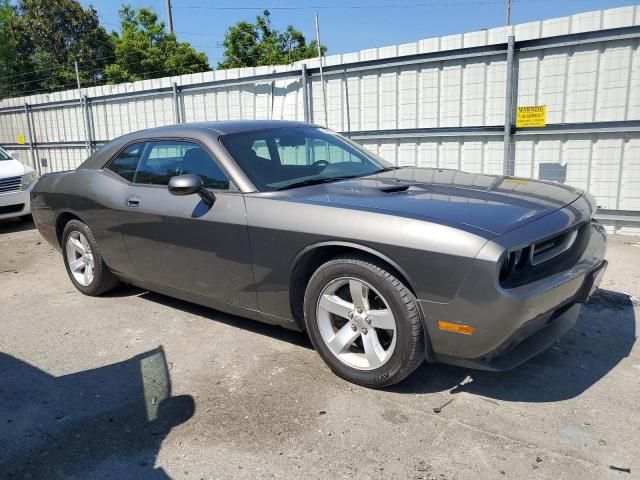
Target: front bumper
column 15, row 204
column 512, row 325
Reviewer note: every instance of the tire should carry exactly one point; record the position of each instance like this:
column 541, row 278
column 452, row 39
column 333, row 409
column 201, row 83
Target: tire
column 403, row 349
column 93, row 277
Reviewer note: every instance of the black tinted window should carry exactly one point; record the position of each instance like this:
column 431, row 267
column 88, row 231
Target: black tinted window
column 126, row 163
column 165, row 159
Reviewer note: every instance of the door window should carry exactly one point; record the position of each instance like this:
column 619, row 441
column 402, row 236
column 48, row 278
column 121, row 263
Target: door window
column 165, row 159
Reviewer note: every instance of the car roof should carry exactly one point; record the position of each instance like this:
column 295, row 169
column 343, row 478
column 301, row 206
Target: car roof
column 195, row 130
column 224, row 127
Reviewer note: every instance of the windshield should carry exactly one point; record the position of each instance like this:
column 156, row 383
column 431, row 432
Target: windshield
column 281, row 158
column 4, row 155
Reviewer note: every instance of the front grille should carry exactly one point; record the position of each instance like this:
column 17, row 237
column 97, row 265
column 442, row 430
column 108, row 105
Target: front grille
column 546, row 257
column 10, row 184
column 552, row 247
column 11, row 208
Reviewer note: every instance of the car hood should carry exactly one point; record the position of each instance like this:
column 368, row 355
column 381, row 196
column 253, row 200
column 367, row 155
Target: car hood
column 494, row 204
column 11, row 168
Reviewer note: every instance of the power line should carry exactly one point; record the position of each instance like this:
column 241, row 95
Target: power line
column 57, row 67
column 360, row 7
column 67, row 85
column 201, row 34
column 174, row 31
column 343, row 7
column 69, row 65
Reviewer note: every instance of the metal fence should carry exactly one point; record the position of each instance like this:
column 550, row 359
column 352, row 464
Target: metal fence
column 447, row 102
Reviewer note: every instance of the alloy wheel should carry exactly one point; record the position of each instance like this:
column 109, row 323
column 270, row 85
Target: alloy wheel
column 356, row 323
column 80, row 258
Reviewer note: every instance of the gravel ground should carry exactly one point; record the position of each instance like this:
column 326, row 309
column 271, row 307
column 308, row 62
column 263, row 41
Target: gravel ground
column 138, row 385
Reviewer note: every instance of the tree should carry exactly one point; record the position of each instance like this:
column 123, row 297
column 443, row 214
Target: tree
column 9, row 73
column 254, row 44
column 144, row 50
column 49, row 35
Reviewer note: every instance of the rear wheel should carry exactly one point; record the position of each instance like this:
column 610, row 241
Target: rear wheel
column 364, row 322
column 83, row 260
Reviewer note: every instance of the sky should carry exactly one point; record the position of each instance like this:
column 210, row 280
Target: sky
column 347, row 25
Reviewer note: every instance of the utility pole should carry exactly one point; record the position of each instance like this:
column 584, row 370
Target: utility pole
column 324, row 89
column 169, row 17
column 83, row 108
column 508, row 14
column 508, row 166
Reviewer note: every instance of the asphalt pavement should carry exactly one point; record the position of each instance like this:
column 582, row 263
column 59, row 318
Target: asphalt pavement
column 138, row 385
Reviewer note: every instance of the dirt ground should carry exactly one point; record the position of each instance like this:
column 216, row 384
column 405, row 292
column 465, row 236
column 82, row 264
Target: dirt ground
column 138, row 385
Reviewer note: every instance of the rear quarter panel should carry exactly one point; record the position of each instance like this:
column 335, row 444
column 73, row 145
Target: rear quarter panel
column 92, row 196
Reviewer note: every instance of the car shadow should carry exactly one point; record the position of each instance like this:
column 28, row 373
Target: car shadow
column 107, row 422
column 603, row 336
column 12, row 225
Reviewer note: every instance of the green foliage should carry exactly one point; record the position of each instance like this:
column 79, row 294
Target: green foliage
column 8, row 54
column 41, row 39
column 144, row 50
column 255, row 44
column 48, row 35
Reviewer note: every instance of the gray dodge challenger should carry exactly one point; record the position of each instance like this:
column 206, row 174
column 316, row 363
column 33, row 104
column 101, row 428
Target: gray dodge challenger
column 294, row 225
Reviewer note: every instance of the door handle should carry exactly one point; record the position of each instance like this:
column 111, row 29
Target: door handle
column 133, row 201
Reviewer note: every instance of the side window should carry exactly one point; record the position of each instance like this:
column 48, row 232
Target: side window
column 126, row 163
column 166, row 159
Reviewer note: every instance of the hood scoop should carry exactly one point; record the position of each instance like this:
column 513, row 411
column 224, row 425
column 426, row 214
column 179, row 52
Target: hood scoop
column 397, row 189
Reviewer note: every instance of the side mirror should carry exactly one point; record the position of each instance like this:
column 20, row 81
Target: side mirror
column 13, row 154
column 188, row 185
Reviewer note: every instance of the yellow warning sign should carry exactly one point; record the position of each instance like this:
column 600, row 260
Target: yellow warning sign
column 531, row 116
column 20, row 138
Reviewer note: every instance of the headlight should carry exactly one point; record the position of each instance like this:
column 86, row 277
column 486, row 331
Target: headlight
column 28, row 179
column 516, row 260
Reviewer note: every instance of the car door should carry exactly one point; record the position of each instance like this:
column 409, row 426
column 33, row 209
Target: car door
column 181, row 241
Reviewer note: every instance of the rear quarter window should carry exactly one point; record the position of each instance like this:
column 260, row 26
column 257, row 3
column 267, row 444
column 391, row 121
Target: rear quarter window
column 126, row 163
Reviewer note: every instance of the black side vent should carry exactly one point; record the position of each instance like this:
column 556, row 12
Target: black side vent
column 396, row 189
column 547, row 249
column 549, row 244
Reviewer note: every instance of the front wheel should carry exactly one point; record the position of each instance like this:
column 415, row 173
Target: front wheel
column 364, row 322
column 83, row 260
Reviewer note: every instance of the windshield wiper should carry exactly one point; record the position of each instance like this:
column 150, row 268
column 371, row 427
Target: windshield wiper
column 314, row 181
column 386, row 169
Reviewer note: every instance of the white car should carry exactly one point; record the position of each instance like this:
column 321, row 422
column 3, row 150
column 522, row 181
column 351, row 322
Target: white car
column 16, row 182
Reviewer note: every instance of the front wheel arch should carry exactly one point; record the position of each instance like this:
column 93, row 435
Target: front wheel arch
column 311, row 257
column 409, row 332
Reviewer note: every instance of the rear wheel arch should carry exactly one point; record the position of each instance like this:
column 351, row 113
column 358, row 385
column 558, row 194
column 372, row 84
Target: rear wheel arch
column 82, row 255
column 309, row 259
column 61, row 221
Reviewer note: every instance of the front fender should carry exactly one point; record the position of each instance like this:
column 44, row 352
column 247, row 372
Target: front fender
column 356, row 246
